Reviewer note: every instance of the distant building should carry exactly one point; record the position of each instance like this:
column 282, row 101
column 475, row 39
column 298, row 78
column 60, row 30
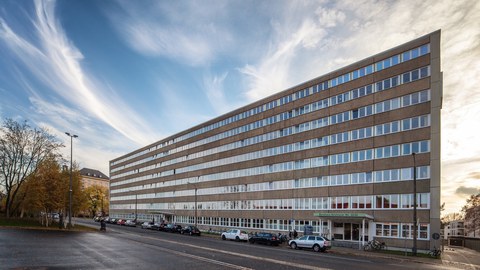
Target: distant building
column 454, row 228
column 91, row 177
column 334, row 153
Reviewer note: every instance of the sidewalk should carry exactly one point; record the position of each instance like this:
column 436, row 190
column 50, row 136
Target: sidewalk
column 461, row 258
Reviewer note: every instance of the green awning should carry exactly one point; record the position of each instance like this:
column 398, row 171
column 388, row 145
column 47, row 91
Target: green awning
column 344, row 215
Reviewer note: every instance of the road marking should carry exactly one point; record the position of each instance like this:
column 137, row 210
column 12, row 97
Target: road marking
column 285, row 263
column 183, row 254
column 296, row 265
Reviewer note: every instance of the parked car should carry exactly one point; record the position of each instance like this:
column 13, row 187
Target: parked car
column 112, row 220
column 147, row 225
column 121, row 222
column 264, row 238
column 317, row 243
column 173, row 228
column 130, row 223
column 156, row 226
column 235, row 234
column 190, row 229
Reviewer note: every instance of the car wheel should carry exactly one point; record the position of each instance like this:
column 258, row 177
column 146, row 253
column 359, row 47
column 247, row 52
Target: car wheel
column 293, row 245
column 191, row 233
column 237, row 238
column 316, row 248
column 223, row 237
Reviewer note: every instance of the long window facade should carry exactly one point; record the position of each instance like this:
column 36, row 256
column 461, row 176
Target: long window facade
column 332, row 147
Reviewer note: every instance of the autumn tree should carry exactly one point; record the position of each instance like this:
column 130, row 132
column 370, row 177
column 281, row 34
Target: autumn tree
column 45, row 190
column 97, row 197
column 22, row 149
column 471, row 211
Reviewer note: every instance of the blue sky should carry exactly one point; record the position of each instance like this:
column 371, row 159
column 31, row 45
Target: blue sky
column 124, row 74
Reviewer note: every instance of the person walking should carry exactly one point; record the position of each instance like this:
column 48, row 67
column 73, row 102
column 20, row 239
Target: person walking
column 295, row 234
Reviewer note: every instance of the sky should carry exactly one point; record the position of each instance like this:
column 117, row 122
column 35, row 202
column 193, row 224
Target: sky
column 125, row 74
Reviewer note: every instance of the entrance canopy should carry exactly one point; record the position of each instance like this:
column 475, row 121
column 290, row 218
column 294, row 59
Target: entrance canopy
column 343, row 216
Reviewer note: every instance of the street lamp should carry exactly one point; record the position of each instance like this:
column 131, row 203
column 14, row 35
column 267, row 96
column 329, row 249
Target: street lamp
column 136, row 198
column 70, row 190
column 414, row 249
column 195, row 186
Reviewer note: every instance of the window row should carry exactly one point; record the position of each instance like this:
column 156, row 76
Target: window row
column 408, row 100
column 303, row 93
column 402, row 230
column 400, row 174
column 373, row 202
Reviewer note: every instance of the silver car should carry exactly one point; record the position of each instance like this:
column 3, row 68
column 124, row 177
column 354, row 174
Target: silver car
column 147, row 225
column 317, row 243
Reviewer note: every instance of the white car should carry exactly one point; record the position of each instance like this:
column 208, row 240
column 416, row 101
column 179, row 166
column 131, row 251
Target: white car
column 235, row 234
column 317, row 243
column 130, row 223
column 147, row 225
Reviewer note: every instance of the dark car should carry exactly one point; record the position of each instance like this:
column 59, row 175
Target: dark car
column 156, row 226
column 190, row 229
column 172, row 228
column 265, row 238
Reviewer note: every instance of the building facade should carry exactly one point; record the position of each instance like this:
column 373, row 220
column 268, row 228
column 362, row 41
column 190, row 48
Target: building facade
column 334, row 153
column 90, row 177
column 454, row 228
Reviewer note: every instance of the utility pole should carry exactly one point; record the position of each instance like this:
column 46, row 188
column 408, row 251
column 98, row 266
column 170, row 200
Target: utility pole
column 414, row 249
column 70, row 186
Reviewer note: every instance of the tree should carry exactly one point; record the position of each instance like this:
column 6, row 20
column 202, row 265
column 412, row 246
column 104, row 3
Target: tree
column 97, row 199
column 44, row 190
column 471, row 211
column 446, row 219
column 22, row 149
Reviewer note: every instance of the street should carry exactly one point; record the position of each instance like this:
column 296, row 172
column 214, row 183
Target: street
column 127, row 247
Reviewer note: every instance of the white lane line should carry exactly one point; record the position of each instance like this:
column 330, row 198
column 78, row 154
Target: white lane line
column 295, row 265
column 183, row 254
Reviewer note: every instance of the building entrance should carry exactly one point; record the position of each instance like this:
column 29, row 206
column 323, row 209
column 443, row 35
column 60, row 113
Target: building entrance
column 349, row 231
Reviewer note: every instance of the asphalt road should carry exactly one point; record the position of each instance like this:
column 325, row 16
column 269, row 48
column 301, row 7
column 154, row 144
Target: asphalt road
column 133, row 248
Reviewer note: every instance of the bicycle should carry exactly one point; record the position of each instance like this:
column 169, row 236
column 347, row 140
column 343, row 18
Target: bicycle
column 374, row 245
column 435, row 253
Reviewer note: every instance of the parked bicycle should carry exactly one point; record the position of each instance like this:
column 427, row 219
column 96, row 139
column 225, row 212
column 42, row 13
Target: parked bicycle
column 435, row 253
column 374, row 245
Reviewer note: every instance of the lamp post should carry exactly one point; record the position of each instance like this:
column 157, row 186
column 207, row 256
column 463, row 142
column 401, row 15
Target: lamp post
column 136, row 207
column 414, row 249
column 70, row 186
column 195, row 206
column 195, row 186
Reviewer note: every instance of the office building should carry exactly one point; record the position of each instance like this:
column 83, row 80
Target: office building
column 334, row 153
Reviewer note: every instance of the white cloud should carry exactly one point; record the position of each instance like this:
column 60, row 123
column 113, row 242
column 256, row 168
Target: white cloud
column 214, row 90
column 56, row 62
column 329, row 17
column 185, row 31
column 348, row 31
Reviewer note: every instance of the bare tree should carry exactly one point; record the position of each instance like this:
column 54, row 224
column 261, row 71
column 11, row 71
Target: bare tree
column 22, row 148
column 471, row 211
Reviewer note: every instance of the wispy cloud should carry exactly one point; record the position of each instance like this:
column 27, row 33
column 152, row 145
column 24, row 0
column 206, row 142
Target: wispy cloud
column 215, row 92
column 339, row 33
column 56, row 62
column 164, row 29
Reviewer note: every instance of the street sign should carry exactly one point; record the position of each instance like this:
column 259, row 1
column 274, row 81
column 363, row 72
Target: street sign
column 436, row 236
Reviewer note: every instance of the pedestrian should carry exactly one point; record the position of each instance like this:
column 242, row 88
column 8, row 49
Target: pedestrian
column 103, row 225
column 295, row 234
column 290, row 234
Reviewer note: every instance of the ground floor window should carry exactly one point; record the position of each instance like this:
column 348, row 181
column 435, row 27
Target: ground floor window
column 393, row 230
